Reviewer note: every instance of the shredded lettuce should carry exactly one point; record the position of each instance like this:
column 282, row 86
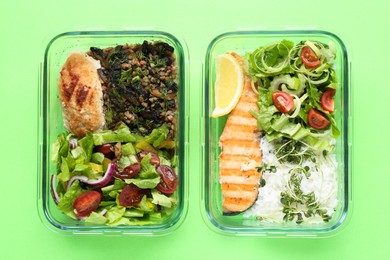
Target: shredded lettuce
column 278, row 67
column 133, row 213
column 122, row 134
column 271, row 60
column 158, row 135
column 97, row 158
column 128, row 149
column 148, row 170
column 144, row 183
column 59, row 148
column 86, row 144
column 114, row 214
column 292, row 83
column 162, row 200
column 67, row 200
column 96, row 218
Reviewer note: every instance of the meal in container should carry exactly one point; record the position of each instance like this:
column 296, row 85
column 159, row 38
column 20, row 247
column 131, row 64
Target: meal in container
column 116, row 161
column 277, row 161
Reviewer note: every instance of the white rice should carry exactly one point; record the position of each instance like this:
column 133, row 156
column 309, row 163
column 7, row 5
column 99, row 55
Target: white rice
column 322, row 181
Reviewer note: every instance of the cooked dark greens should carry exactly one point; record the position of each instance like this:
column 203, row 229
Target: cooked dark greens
column 139, row 85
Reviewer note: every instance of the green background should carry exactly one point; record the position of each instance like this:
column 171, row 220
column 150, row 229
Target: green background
column 24, row 27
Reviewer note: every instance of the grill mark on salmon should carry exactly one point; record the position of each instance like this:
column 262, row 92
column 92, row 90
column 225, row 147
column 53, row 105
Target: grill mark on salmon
column 240, row 154
column 236, row 129
column 238, row 157
column 233, row 187
column 239, row 169
column 241, row 180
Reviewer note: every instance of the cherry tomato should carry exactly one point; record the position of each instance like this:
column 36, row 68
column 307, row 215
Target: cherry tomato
column 107, row 150
column 317, row 120
column 309, row 58
column 283, row 101
column 153, row 160
column 128, row 172
column 168, row 179
column 131, row 195
column 327, row 101
column 86, row 202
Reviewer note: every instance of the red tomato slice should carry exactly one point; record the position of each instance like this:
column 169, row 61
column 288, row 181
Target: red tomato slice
column 86, row 203
column 131, row 195
column 283, row 101
column 168, row 179
column 309, row 58
column 317, row 120
column 327, row 101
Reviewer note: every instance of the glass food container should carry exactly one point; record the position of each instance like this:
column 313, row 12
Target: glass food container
column 242, row 42
column 51, row 125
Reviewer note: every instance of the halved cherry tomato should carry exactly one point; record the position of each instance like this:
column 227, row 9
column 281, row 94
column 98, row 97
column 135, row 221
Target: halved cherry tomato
column 131, row 195
column 107, row 150
column 128, row 172
column 283, row 101
column 86, row 202
column 327, row 101
column 168, row 179
column 153, row 160
column 317, row 120
column 309, row 58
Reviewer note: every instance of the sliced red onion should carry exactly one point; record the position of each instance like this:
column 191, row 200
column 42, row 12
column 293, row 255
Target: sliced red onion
column 53, row 189
column 103, row 212
column 73, row 143
column 76, row 177
column 96, row 183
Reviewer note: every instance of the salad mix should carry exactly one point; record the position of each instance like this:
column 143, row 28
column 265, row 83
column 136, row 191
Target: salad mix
column 114, row 177
column 296, row 85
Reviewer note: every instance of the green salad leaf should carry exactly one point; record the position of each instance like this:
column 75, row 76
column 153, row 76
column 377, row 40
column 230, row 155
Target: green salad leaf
column 122, row 134
column 86, row 144
column 144, row 183
column 114, row 214
column 148, row 170
column 161, row 199
column 96, row 218
column 158, row 135
column 270, row 60
column 69, row 197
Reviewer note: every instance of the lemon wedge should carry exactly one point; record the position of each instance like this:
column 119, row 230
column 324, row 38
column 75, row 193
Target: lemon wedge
column 229, row 84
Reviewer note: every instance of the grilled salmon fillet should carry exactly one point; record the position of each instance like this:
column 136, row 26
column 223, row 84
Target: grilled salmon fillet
column 81, row 95
column 241, row 154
